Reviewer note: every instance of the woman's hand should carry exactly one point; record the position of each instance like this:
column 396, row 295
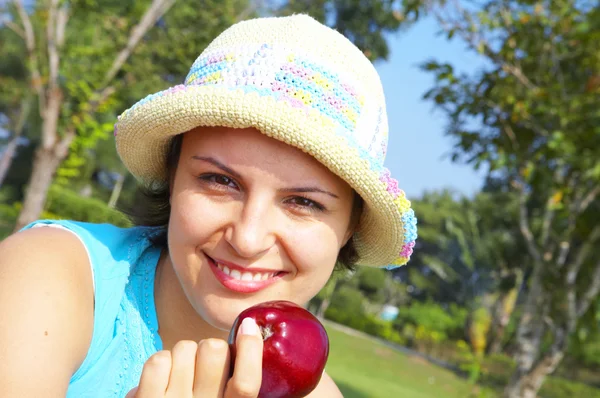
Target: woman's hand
column 193, row 370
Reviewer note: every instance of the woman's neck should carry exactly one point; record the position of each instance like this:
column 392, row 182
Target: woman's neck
column 177, row 319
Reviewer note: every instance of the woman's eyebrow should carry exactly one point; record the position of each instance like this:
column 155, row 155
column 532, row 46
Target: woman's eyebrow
column 218, row 164
column 234, row 173
column 309, row 189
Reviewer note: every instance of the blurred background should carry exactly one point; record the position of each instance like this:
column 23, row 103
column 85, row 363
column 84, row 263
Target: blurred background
column 494, row 110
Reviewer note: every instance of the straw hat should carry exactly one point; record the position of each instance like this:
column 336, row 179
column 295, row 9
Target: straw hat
column 299, row 82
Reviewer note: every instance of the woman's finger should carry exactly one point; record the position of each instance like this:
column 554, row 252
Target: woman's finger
column 132, row 393
column 212, row 368
column 155, row 376
column 183, row 363
column 247, row 372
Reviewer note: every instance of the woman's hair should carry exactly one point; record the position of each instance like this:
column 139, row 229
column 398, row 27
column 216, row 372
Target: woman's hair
column 152, row 208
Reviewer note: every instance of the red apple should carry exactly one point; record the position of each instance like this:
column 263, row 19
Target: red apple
column 295, row 350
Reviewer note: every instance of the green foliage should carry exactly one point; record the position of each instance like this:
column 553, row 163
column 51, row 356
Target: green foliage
column 371, row 281
column 8, row 213
column 556, row 387
column 465, row 244
column 585, row 348
column 432, row 317
column 495, row 370
column 65, row 204
column 470, row 362
column 395, row 292
column 479, row 325
column 366, row 323
column 530, row 116
column 348, row 300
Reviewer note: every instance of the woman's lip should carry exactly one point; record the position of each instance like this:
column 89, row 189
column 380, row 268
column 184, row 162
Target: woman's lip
column 238, row 285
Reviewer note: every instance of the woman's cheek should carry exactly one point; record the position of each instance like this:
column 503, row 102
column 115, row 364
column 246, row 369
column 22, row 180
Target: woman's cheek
column 191, row 218
column 313, row 248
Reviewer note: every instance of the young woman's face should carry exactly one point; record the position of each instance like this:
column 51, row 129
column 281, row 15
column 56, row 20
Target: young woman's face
column 252, row 220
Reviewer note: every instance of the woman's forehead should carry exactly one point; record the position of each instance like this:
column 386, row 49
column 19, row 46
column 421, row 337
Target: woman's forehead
column 250, row 148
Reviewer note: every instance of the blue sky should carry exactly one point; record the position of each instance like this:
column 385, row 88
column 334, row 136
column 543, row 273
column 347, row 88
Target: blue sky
column 418, row 148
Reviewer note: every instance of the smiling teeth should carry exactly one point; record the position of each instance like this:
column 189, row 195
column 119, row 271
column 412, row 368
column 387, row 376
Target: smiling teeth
column 246, row 276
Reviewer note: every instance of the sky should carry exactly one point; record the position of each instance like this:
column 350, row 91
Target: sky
column 418, row 149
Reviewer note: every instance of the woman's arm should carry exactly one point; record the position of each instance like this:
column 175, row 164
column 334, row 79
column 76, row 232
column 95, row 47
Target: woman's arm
column 46, row 312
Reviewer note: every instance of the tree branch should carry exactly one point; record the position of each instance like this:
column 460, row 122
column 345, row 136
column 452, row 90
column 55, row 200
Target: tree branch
column 36, row 79
column 565, row 243
column 14, row 27
column 590, row 293
column 152, row 14
column 524, row 224
column 588, row 199
column 571, row 300
column 53, row 57
column 573, row 308
column 62, row 147
column 55, row 31
column 478, row 43
column 510, row 133
column 250, row 8
column 61, row 24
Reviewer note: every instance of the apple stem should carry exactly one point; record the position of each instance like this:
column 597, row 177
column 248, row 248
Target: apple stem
column 266, row 332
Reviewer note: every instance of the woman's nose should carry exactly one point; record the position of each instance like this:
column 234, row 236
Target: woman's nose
column 251, row 233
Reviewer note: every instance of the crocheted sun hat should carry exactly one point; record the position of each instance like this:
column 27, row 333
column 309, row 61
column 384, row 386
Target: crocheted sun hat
column 302, row 83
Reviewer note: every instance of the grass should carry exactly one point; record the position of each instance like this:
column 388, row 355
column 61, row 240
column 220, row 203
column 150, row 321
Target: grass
column 365, row 368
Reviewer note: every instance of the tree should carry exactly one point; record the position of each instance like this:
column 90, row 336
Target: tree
column 15, row 103
column 471, row 254
column 44, row 30
column 532, row 117
column 466, row 245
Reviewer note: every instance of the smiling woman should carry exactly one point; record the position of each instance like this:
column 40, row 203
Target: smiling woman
column 153, row 207
column 260, row 175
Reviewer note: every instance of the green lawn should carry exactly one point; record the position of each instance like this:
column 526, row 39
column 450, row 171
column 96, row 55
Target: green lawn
column 365, row 368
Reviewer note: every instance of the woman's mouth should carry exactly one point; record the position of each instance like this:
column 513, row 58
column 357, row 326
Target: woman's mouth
column 243, row 280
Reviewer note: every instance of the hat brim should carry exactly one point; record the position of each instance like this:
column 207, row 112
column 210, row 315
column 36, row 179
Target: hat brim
column 143, row 134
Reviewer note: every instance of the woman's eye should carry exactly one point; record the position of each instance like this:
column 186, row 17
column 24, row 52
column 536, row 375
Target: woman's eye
column 219, row 180
column 223, row 180
column 306, row 203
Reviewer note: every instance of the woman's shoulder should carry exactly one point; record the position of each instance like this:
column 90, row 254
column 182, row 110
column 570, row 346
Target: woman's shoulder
column 46, row 311
column 103, row 234
column 111, row 250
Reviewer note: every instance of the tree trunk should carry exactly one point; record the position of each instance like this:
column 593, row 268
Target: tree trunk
column 534, row 380
column 116, row 192
column 11, row 148
column 7, row 157
column 529, row 334
column 44, row 166
column 323, row 307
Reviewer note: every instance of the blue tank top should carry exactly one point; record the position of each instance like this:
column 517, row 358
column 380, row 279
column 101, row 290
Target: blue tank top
column 125, row 335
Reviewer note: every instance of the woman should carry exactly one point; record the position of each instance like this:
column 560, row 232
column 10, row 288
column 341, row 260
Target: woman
column 264, row 170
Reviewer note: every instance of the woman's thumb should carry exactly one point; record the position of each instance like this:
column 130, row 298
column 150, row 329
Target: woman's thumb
column 131, row 394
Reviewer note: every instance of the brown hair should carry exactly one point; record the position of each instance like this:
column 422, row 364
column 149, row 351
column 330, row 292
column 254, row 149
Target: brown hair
column 152, row 208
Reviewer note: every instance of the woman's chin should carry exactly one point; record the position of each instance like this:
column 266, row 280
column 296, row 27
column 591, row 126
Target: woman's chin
column 222, row 316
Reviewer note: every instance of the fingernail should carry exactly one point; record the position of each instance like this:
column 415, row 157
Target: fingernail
column 249, row 327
